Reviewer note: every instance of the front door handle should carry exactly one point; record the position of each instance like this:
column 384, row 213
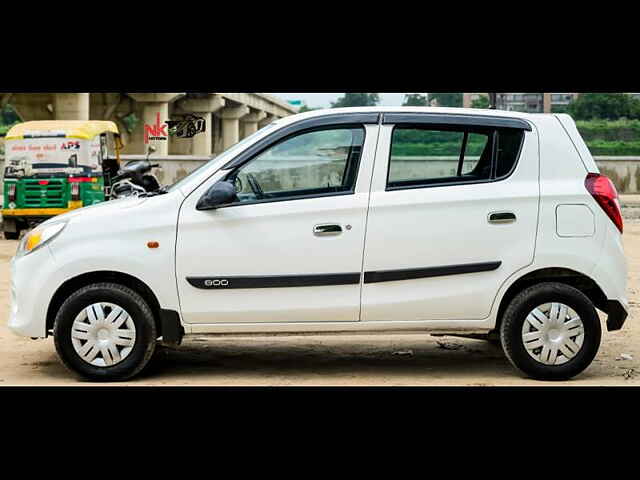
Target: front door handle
column 502, row 217
column 327, row 229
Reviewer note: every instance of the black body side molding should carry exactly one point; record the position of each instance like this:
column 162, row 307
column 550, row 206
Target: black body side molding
column 274, row 281
column 172, row 331
column 413, row 273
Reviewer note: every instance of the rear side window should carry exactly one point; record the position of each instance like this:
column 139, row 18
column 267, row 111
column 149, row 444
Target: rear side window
column 423, row 156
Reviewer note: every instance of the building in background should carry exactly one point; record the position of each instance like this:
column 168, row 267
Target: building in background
column 526, row 102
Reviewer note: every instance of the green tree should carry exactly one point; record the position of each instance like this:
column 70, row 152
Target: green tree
column 130, row 122
column 607, row 106
column 481, row 102
column 356, row 100
column 415, row 100
column 446, row 99
column 8, row 116
column 305, row 108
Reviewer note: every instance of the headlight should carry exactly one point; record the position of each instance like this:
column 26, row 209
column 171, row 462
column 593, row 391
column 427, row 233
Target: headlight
column 39, row 236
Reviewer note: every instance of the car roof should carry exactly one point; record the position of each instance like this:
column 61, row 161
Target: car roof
column 432, row 110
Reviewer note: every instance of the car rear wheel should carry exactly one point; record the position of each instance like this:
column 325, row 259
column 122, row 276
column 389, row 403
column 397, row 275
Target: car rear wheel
column 105, row 332
column 551, row 331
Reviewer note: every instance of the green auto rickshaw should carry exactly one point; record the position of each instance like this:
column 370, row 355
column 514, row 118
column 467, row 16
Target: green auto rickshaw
column 55, row 166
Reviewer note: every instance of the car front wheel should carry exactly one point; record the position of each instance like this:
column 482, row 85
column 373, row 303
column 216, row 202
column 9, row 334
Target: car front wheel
column 550, row 331
column 105, row 332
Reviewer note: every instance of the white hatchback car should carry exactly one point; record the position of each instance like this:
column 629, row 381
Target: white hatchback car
column 449, row 221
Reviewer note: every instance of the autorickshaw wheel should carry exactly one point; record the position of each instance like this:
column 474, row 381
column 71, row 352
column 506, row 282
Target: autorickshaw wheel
column 12, row 235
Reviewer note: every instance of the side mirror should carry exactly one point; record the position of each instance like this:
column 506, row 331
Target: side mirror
column 221, row 193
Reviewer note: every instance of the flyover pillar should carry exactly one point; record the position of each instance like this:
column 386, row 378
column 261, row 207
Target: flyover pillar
column 250, row 122
column 231, row 124
column 546, row 102
column 267, row 120
column 71, row 106
column 152, row 128
column 203, row 107
column 33, row 106
column 155, row 114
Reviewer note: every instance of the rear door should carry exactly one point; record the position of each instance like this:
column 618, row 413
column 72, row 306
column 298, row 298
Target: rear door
column 453, row 213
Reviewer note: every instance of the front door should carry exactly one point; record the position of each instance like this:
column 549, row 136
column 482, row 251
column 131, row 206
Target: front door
column 290, row 248
column 453, row 213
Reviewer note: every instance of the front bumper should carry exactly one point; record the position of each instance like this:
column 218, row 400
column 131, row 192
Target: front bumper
column 31, row 291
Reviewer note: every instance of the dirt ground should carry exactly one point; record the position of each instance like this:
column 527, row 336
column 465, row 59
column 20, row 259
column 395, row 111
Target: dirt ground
column 335, row 360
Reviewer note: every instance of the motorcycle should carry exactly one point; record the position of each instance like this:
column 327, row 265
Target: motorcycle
column 134, row 179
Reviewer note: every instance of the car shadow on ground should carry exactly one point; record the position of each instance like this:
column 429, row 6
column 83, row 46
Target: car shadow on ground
column 281, row 361
column 292, row 361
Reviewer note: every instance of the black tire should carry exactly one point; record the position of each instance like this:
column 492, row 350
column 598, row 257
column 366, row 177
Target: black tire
column 515, row 316
column 157, row 362
column 493, row 339
column 12, row 235
column 140, row 313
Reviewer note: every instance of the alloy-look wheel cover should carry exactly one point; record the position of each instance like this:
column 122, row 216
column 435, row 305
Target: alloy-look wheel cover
column 103, row 334
column 553, row 333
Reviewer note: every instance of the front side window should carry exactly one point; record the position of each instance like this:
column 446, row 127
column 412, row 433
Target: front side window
column 204, row 168
column 321, row 162
column 422, row 156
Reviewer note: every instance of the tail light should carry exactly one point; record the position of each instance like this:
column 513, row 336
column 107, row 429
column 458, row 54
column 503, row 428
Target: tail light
column 12, row 192
column 75, row 191
column 604, row 192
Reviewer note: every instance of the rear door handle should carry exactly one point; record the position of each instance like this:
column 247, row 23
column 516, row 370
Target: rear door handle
column 502, row 217
column 327, row 229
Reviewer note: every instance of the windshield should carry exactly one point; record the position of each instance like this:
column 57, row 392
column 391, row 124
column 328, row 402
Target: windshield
column 226, row 154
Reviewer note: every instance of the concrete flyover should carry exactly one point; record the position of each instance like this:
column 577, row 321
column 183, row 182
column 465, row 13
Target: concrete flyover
column 229, row 117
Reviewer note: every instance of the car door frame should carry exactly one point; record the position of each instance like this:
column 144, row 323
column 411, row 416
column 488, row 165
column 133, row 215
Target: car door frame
column 370, row 122
column 390, row 120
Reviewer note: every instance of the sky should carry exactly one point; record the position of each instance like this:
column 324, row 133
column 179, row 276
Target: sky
column 323, row 100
